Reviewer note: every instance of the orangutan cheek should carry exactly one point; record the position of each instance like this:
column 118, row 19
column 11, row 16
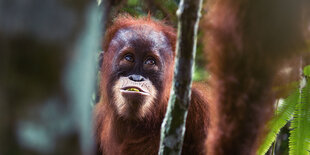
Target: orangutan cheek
column 133, row 99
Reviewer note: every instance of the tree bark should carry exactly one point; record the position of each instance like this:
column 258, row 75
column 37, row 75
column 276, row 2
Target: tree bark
column 173, row 127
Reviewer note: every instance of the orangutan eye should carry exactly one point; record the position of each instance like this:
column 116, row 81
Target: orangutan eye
column 129, row 58
column 150, row 61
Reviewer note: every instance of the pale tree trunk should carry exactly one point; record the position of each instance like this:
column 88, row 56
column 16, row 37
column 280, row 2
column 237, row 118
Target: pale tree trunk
column 173, row 127
column 47, row 63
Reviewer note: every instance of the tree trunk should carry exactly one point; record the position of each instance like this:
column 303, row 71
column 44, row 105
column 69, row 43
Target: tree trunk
column 44, row 96
column 173, row 127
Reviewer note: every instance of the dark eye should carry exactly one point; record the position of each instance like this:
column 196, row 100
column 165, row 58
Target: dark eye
column 129, row 58
column 150, row 61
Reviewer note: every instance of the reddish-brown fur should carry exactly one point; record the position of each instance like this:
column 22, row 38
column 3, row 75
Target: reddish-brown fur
column 247, row 41
column 116, row 135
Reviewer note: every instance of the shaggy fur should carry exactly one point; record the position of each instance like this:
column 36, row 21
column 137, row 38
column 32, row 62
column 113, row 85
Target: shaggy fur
column 117, row 134
column 246, row 43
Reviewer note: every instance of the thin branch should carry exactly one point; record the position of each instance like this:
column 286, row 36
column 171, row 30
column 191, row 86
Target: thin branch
column 173, row 127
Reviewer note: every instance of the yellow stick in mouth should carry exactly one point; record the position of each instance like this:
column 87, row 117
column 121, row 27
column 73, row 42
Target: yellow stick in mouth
column 133, row 89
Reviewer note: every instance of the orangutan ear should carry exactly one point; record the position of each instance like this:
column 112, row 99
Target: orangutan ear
column 100, row 59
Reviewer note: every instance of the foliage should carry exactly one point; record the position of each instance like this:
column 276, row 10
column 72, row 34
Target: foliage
column 160, row 9
column 283, row 114
column 297, row 107
column 200, row 74
column 307, row 70
column 300, row 133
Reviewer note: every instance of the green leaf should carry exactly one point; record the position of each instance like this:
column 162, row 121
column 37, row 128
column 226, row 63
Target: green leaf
column 133, row 2
column 299, row 141
column 283, row 114
column 307, row 70
column 200, row 74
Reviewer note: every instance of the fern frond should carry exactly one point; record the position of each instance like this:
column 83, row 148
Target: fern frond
column 299, row 141
column 283, row 114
